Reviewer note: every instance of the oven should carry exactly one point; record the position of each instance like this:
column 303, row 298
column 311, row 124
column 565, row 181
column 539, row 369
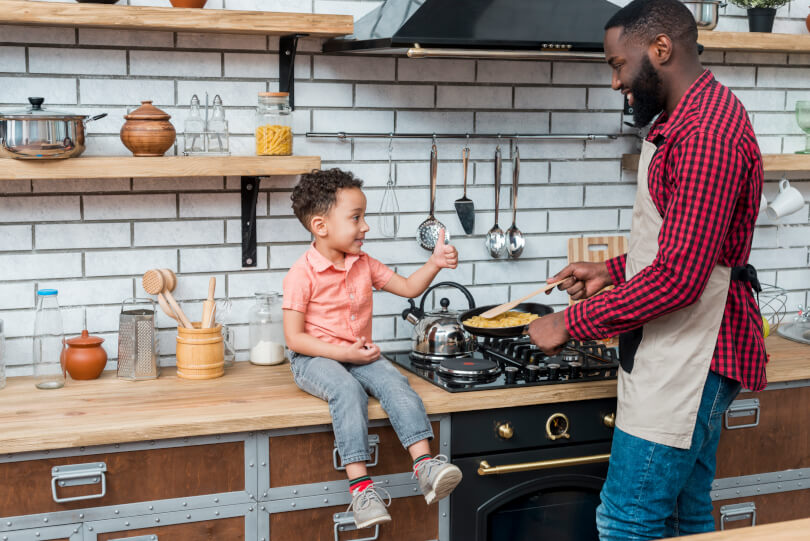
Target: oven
column 530, row 473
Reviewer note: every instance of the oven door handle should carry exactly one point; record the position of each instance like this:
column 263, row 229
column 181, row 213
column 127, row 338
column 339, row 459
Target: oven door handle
column 485, row 469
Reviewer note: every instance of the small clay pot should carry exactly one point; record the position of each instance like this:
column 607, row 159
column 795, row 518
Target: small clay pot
column 147, row 131
column 188, row 3
column 84, row 356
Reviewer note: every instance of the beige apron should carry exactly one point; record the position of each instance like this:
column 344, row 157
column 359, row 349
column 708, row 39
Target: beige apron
column 659, row 399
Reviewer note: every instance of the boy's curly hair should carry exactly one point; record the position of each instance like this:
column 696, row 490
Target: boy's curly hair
column 316, row 192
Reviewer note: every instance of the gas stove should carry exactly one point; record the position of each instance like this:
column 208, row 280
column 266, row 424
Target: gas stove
column 500, row 363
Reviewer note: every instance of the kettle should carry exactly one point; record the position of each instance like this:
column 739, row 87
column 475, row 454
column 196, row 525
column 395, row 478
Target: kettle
column 439, row 335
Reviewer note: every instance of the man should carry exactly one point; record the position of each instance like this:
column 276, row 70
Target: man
column 684, row 289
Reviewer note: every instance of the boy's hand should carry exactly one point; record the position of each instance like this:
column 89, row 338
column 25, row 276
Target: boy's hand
column 444, row 255
column 362, row 353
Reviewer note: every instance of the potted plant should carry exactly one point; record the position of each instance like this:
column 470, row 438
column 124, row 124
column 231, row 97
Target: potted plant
column 760, row 13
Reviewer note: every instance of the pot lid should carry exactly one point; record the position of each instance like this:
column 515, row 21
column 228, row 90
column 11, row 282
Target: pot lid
column 147, row 111
column 35, row 111
column 85, row 340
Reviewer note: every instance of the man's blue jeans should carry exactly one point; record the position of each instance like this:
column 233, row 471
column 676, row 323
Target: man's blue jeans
column 655, row 491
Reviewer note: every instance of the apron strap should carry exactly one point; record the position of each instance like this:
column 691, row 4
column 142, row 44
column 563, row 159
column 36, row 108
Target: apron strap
column 630, row 340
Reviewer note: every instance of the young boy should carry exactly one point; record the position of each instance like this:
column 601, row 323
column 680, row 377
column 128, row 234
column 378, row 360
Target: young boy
column 327, row 325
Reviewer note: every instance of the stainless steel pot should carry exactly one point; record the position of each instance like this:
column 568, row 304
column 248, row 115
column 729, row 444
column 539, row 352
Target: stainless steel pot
column 705, row 13
column 439, row 335
column 35, row 133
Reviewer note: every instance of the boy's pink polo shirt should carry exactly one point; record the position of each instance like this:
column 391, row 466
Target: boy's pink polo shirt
column 336, row 303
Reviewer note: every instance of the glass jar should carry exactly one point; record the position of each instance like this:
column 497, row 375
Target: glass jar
column 2, row 357
column 266, row 330
column 274, row 124
column 49, row 342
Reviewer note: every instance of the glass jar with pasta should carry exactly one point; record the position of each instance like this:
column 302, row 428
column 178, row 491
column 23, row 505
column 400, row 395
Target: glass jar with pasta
column 273, row 124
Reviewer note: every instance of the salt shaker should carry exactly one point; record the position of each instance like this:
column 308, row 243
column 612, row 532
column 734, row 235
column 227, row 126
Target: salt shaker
column 194, row 128
column 217, row 131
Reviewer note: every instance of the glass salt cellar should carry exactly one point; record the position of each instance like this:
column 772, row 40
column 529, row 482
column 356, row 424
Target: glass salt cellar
column 266, row 330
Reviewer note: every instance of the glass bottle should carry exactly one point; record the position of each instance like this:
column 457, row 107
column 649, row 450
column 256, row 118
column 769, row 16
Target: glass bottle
column 266, row 330
column 49, row 342
column 217, row 131
column 274, row 124
column 194, row 128
column 2, row 357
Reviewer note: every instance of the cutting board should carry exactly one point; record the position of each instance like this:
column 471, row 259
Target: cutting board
column 596, row 250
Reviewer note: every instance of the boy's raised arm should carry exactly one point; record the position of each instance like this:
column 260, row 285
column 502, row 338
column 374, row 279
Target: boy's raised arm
column 444, row 256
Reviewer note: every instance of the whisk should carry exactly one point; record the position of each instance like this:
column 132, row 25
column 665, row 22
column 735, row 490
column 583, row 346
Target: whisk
column 389, row 206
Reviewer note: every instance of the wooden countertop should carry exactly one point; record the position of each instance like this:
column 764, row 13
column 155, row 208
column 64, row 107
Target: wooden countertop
column 792, row 530
column 109, row 410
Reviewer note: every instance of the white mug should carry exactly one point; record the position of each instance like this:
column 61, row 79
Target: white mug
column 787, row 201
column 763, row 204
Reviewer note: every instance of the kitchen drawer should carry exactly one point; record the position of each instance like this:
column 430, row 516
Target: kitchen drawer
column 776, row 507
column 227, row 529
column 780, row 441
column 130, row 477
column 411, row 520
column 307, row 458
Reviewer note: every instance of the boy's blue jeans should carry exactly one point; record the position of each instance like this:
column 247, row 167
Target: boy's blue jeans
column 655, row 491
column 346, row 388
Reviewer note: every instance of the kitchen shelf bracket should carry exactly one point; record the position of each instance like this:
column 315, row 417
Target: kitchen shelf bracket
column 287, row 47
column 250, row 195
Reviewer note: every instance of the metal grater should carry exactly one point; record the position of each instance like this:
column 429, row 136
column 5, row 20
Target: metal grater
column 137, row 340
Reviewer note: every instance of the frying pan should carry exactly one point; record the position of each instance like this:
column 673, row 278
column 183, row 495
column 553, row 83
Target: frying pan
column 503, row 332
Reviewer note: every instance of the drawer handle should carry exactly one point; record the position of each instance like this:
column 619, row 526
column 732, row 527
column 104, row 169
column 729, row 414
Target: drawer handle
column 738, row 511
column 79, row 474
column 151, row 537
column 743, row 408
column 374, row 448
column 485, row 469
column 344, row 522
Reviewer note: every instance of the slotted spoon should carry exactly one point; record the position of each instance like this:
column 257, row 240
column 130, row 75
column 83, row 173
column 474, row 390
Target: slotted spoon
column 428, row 232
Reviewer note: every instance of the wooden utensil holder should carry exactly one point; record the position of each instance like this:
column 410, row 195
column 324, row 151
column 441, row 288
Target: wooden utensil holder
column 200, row 352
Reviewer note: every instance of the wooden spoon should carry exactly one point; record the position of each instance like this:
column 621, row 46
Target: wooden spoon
column 154, row 283
column 505, row 307
column 164, row 304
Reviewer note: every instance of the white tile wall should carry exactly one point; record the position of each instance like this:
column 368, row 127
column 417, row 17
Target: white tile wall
column 92, row 239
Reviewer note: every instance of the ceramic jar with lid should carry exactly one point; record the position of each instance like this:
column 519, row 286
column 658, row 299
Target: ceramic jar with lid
column 84, row 356
column 147, row 131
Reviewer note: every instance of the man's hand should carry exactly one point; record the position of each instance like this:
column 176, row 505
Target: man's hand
column 581, row 280
column 549, row 332
column 444, row 255
column 361, row 352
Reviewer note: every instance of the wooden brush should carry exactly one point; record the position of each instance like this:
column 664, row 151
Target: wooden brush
column 154, row 284
column 209, row 306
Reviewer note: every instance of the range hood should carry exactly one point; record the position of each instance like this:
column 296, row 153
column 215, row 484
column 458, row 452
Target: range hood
column 519, row 29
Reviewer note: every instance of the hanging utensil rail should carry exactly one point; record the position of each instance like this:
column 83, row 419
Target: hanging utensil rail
column 524, row 136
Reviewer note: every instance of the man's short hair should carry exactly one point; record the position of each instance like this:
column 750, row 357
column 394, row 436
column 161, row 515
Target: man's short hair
column 643, row 20
column 316, row 192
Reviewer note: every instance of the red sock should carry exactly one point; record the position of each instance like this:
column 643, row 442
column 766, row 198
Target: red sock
column 359, row 484
column 417, row 461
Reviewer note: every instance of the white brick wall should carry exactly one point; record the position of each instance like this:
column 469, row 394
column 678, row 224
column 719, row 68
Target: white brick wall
column 92, row 239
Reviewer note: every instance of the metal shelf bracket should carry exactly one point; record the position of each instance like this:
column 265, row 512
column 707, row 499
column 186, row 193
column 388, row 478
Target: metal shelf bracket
column 287, row 47
column 250, row 195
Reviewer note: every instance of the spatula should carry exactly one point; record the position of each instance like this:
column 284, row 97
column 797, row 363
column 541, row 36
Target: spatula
column 505, row 307
column 464, row 206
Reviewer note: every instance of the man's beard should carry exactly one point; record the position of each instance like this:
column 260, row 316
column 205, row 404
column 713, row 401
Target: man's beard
column 646, row 90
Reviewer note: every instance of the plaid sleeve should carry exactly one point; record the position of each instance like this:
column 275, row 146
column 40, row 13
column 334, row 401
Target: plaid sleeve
column 707, row 175
column 615, row 267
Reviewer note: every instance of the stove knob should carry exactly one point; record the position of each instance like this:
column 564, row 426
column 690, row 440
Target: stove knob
column 505, row 430
column 511, row 374
column 553, row 372
column 576, row 369
column 532, row 372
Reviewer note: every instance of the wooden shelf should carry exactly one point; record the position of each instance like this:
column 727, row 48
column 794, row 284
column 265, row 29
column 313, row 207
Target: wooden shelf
column 166, row 166
column 785, row 163
column 173, row 19
column 759, row 42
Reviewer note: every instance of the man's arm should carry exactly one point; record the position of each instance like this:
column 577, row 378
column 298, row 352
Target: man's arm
column 708, row 176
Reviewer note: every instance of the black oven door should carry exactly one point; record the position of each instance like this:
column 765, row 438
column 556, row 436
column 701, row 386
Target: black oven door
column 552, row 504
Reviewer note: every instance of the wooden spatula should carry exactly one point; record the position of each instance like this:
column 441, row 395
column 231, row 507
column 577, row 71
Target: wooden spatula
column 505, row 307
column 209, row 306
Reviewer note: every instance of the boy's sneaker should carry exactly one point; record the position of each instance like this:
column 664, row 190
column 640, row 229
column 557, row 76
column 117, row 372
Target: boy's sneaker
column 437, row 477
column 369, row 508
